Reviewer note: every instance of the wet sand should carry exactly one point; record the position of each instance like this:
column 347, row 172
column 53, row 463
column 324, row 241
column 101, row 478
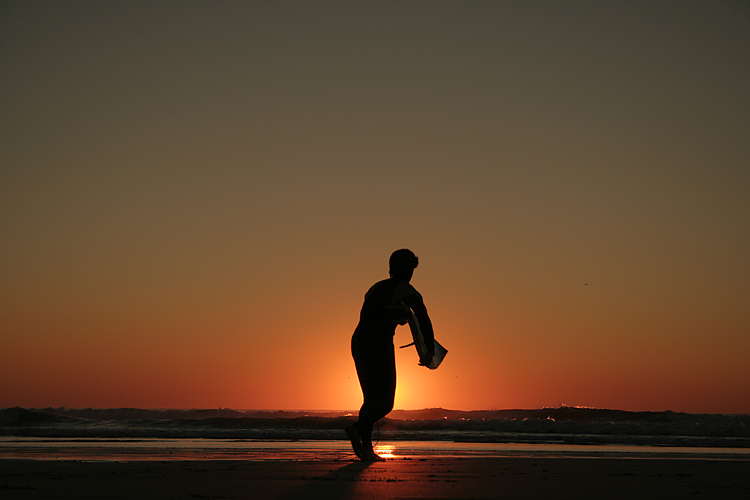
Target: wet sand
column 397, row 478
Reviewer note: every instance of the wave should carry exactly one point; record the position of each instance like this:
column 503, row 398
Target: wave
column 569, row 425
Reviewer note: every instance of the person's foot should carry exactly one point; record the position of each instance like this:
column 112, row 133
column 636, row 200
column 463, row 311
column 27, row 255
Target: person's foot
column 371, row 456
column 356, row 440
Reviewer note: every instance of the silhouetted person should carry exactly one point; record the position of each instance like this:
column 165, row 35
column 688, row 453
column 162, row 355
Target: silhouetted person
column 373, row 350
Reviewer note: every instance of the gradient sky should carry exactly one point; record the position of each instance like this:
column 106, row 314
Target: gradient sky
column 195, row 196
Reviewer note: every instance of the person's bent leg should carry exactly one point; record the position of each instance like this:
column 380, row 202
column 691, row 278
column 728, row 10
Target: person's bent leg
column 376, row 370
column 379, row 395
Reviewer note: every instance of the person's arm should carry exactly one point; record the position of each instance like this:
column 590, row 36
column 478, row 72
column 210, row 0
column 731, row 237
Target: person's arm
column 425, row 325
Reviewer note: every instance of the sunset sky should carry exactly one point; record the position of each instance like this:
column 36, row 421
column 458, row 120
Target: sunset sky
column 195, row 196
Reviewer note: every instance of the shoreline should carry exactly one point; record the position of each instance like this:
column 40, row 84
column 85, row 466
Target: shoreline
column 150, row 449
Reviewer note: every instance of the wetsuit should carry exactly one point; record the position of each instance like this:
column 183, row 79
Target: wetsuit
column 373, row 350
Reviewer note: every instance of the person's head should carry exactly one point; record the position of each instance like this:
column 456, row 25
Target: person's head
column 402, row 264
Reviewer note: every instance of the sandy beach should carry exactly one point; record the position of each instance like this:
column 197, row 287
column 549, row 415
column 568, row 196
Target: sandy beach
column 397, row 478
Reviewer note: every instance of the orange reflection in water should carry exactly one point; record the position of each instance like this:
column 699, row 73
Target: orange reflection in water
column 385, row 451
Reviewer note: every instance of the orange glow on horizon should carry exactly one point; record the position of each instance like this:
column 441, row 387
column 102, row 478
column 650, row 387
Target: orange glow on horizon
column 186, row 367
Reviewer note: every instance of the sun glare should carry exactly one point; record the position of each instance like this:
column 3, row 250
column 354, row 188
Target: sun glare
column 385, row 451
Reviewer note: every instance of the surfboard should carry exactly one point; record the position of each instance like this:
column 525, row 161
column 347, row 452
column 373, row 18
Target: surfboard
column 419, row 343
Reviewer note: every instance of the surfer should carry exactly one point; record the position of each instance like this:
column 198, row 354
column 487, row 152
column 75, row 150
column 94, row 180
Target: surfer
column 373, row 350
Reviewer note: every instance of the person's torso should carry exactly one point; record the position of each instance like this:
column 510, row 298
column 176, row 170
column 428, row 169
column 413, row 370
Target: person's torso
column 378, row 312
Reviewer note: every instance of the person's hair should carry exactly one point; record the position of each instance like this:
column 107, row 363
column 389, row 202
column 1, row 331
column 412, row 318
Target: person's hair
column 402, row 263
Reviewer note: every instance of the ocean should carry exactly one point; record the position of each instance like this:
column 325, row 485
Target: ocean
column 241, row 434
